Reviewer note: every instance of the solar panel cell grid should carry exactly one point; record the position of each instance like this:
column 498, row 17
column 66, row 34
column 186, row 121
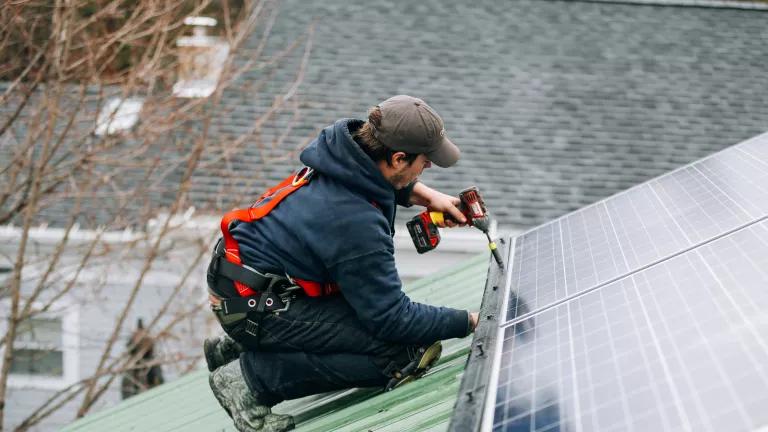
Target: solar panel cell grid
column 638, row 228
column 756, row 146
column 539, row 253
column 642, row 225
column 742, row 174
column 678, row 346
column 700, row 210
column 592, row 252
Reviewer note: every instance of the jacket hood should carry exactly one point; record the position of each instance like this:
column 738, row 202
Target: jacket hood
column 335, row 154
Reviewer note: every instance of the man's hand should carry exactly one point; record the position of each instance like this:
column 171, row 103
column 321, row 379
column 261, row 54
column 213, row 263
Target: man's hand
column 473, row 320
column 213, row 300
column 438, row 201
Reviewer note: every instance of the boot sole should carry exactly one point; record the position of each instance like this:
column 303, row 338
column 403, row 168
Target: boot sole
column 284, row 423
column 240, row 424
column 430, row 357
column 266, row 422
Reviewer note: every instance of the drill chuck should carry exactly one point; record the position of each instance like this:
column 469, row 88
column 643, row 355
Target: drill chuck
column 483, row 223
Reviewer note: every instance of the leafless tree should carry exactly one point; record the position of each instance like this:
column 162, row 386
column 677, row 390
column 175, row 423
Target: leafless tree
column 63, row 63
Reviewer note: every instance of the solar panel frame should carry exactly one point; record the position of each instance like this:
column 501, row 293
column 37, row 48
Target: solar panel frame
column 474, row 384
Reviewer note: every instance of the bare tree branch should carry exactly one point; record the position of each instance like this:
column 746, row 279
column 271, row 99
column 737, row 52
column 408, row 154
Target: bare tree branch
column 82, row 58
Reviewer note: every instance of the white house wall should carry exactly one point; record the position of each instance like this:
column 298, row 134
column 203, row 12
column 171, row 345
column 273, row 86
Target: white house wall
column 96, row 318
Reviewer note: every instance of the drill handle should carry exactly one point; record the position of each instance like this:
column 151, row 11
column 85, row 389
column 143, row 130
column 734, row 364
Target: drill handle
column 439, row 218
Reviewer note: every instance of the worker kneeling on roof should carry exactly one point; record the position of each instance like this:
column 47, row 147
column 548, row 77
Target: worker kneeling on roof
column 304, row 282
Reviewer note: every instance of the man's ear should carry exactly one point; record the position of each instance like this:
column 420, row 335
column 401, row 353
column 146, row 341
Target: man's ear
column 398, row 160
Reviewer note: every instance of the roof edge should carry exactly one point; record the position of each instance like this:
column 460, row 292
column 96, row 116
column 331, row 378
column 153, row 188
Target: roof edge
column 713, row 4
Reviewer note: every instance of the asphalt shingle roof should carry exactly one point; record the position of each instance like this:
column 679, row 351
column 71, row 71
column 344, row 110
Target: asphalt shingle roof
column 555, row 104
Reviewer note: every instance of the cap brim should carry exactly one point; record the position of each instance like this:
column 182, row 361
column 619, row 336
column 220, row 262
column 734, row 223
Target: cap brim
column 445, row 155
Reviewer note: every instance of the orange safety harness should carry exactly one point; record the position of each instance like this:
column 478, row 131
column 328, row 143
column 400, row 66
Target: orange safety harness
column 262, row 207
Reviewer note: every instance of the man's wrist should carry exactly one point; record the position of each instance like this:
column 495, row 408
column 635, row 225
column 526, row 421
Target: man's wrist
column 420, row 194
column 472, row 321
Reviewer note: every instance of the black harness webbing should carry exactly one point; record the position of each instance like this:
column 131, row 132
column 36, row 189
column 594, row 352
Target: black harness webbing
column 267, row 301
column 234, row 272
column 274, row 293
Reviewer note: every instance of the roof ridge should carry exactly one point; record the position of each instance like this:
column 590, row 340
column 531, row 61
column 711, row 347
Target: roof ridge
column 717, row 4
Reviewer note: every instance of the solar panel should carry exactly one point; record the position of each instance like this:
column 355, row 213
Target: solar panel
column 682, row 345
column 644, row 311
column 639, row 227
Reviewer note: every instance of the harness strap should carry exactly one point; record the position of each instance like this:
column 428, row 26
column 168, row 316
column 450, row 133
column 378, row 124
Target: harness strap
column 266, row 302
column 266, row 202
column 317, row 289
column 234, row 272
column 249, row 282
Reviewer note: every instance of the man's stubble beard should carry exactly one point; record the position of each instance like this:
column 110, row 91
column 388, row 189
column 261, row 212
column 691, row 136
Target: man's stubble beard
column 398, row 181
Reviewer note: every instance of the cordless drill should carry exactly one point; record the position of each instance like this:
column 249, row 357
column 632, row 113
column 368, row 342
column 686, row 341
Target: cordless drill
column 426, row 236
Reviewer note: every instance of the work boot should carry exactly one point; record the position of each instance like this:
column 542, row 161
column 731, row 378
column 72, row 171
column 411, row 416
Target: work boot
column 249, row 415
column 421, row 360
column 220, row 351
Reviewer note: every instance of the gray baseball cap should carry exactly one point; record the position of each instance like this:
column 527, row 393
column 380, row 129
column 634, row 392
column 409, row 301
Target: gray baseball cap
column 409, row 125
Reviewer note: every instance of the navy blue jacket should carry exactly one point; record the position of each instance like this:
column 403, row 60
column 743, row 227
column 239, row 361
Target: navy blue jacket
column 331, row 230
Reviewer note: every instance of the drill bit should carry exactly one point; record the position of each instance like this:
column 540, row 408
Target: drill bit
column 494, row 250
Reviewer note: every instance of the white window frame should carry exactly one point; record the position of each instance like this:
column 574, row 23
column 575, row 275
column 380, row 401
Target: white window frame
column 69, row 314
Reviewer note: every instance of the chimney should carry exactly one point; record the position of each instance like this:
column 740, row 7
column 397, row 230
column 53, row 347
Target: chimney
column 201, row 59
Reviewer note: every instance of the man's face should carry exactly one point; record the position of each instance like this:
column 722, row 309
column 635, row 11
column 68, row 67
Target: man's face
column 406, row 173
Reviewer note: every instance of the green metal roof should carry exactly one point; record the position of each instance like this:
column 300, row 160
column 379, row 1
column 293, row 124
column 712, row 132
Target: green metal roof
column 187, row 404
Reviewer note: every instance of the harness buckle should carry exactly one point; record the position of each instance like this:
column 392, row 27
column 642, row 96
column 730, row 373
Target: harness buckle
column 301, row 176
column 287, row 303
column 251, row 327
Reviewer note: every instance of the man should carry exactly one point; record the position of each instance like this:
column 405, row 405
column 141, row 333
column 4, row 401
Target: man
column 333, row 235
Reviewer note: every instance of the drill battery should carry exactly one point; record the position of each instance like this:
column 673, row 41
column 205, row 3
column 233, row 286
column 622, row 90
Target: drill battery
column 423, row 227
column 424, row 231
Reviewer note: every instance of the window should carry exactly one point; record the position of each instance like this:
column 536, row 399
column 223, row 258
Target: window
column 46, row 350
column 5, row 271
column 39, row 350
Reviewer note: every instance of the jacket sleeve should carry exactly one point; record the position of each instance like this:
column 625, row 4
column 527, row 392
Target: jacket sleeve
column 372, row 287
